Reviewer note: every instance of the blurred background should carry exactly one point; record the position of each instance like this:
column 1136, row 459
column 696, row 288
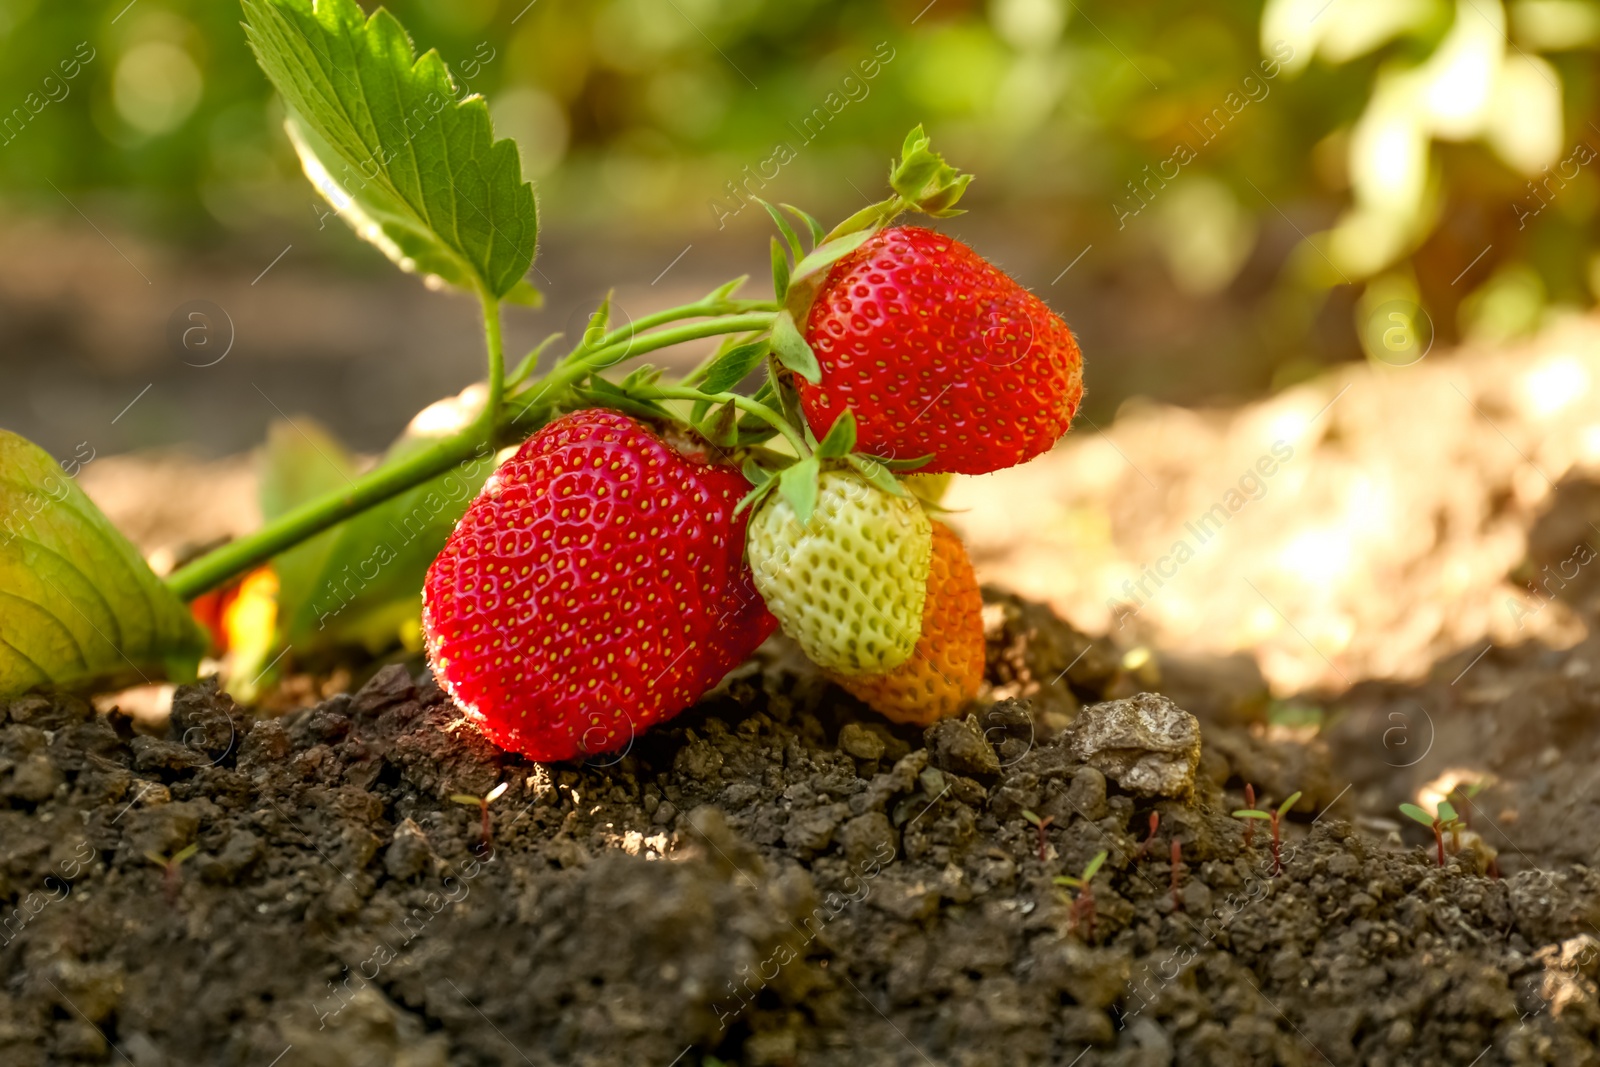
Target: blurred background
column 1222, row 200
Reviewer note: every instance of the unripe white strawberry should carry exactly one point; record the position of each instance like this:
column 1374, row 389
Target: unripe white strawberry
column 848, row 585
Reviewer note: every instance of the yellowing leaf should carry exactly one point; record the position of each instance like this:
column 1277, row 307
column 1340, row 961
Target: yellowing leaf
column 79, row 607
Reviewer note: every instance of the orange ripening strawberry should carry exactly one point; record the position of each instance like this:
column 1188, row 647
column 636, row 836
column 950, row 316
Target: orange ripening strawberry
column 943, row 673
column 596, row 587
column 937, row 352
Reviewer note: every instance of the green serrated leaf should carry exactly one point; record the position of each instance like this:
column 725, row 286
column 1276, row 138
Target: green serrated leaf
column 841, row 437
column 780, row 271
column 792, row 350
column 790, row 238
column 79, row 607
column 385, row 139
column 876, row 473
column 733, row 366
column 798, row 484
column 817, row 232
column 1411, row 811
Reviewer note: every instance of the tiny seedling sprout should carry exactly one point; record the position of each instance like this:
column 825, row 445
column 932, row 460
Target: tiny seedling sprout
column 1083, row 904
column 1249, row 824
column 169, row 868
column 1276, row 818
column 482, row 804
column 1444, row 819
column 1041, row 825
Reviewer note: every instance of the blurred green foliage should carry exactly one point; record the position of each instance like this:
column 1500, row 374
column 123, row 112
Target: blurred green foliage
column 1284, row 156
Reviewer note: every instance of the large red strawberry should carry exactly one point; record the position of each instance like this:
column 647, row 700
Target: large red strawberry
column 937, row 352
column 596, row 587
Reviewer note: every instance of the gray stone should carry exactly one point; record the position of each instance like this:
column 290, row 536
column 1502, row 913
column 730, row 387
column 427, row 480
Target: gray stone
column 860, row 742
column 1146, row 744
column 390, row 686
column 957, row 746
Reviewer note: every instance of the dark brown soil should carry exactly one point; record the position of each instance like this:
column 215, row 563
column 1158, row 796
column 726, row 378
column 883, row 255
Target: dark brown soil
column 775, row 878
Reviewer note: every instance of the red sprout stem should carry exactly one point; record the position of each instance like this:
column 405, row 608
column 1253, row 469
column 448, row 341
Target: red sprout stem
column 1438, row 838
column 1155, row 823
column 484, row 804
column 1043, row 825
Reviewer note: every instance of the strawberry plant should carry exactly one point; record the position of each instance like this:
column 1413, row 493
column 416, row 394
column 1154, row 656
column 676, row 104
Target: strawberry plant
column 1443, row 821
column 1275, row 816
column 583, row 550
column 1082, row 910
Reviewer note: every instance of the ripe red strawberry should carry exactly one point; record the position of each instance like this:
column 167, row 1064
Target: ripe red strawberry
column 596, row 587
column 938, row 352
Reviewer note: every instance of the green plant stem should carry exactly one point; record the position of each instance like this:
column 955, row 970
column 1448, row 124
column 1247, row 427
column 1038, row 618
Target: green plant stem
column 743, row 403
column 569, row 371
column 661, row 318
column 314, row 516
column 495, row 345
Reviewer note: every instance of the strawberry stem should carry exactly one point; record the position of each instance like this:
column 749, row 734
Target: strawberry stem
column 738, row 400
column 518, row 414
